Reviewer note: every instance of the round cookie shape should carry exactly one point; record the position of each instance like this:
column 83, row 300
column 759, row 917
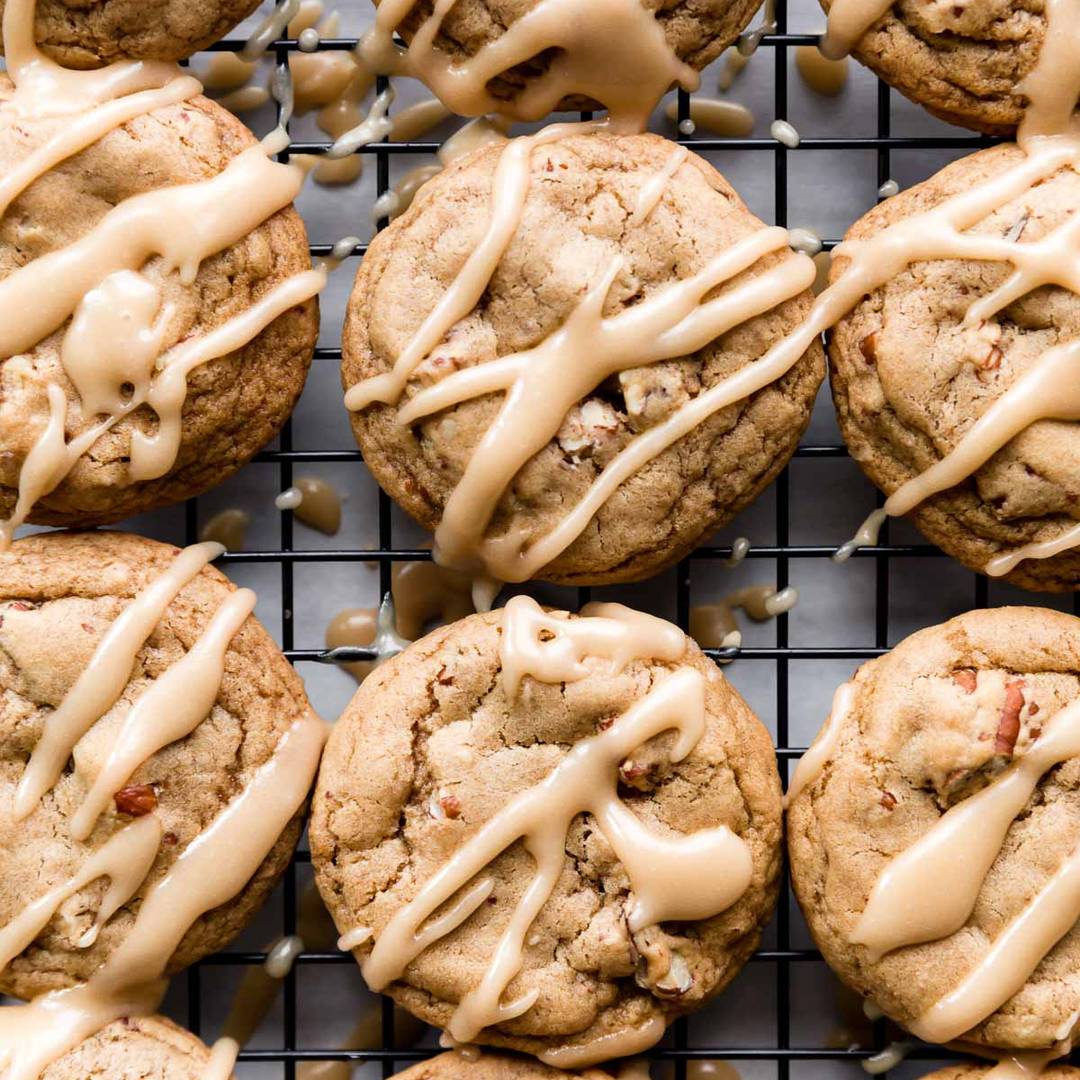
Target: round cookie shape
column 964, row 63
column 910, row 378
column 60, row 594
column 462, row 743
column 580, row 214
column 486, row 1066
column 135, row 1048
column 971, row 1071
column 235, row 404
column 947, row 757
column 82, row 35
column 696, row 33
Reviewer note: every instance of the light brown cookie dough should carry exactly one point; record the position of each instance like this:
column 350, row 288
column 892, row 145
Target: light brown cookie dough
column 451, row 1066
column 577, row 217
column 235, row 404
column 59, row 594
column 135, row 1048
column 963, row 62
column 909, row 379
column 697, row 30
column 82, row 34
column 972, row 1071
column 930, row 726
column 432, row 748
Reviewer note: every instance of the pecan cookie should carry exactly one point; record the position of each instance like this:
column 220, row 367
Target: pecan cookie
column 488, row 1067
column 910, row 378
column 60, row 595
column 964, row 62
column 234, row 404
column 937, row 821
column 135, row 1048
column 697, row 32
column 973, row 1071
column 85, row 35
column 451, row 743
column 580, row 216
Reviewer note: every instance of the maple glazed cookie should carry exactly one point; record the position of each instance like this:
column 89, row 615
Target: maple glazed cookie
column 531, row 57
column 983, row 1070
column 83, row 35
column 547, row 357
column 137, row 1048
column 917, row 368
column 138, row 700
column 489, row 1067
column 934, row 830
column 964, row 62
column 180, row 340
column 586, row 793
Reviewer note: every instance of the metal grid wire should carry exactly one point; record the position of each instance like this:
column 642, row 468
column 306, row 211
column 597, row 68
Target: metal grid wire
column 287, row 556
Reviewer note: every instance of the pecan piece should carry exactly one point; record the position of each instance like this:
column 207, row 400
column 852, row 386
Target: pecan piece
column 1009, row 724
column 137, row 800
column 966, row 679
column 868, row 348
column 888, row 800
column 451, row 805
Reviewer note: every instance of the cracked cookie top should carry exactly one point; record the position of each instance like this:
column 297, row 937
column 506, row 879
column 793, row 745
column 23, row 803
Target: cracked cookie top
column 944, row 814
column 87, row 35
column 234, row 404
column 579, row 217
column 450, row 799
column 697, row 31
column 60, row 595
column 135, row 1048
column 910, row 377
column 963, row 61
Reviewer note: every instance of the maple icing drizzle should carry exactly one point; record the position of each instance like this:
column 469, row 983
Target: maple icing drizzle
column 120, row 329
column 541, row 384
column 212, row 869
column 627, row 80
column 672, row 876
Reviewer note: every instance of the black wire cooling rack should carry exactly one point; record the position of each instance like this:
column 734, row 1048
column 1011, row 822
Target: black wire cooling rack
column 679, row 1048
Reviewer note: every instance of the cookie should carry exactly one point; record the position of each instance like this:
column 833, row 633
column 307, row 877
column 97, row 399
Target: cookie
column 81, row 35
column 693, row 33
column 910, row 378
column 632, row 212
column 963, row 62
column 135, row 1048
column 935, row 827
column 654, row 857
column 485, row 1066
column 234, row 404
column 971, row 1071
column 74, row 814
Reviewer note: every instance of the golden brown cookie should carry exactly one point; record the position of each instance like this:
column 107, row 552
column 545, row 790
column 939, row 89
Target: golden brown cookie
column 972, row 1071
column 437, row 752
column 923, row 743
column 964, row 62
column 135, row 1048
column 60, row 593
column 452, row 1065
column 910, row 379
column 82, row 35
column 697, row 32
column 234, row 404
column 579, row 215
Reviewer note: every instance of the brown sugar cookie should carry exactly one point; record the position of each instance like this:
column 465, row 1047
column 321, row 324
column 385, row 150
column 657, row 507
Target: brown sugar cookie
column 587, row 790
column 91, row 824
column 934, row 832
column 486, row 1066
column 695, row 33
column 964, row 62
column 135, row 1048
column 972, row 1071
column 234, row 404
column 82, row 35
column 647, row 218
column 910, row 378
